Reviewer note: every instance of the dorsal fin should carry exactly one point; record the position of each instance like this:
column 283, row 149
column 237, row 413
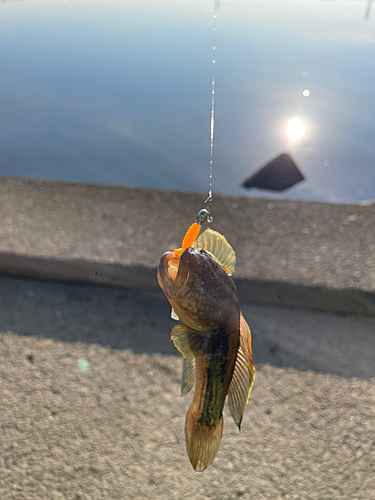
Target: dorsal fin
column 216, row 244
column 243, row 375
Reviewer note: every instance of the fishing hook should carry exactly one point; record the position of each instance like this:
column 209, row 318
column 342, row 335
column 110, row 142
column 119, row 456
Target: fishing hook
column 204, row 216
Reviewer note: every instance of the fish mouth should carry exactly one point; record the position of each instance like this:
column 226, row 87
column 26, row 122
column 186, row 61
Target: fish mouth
column 168, row 271
column 173, row 271
column 168, row 268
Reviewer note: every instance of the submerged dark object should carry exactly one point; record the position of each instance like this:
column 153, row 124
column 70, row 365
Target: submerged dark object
column 279, row 174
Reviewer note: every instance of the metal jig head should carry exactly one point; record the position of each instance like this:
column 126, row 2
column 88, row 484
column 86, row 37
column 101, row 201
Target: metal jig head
column 204, row 216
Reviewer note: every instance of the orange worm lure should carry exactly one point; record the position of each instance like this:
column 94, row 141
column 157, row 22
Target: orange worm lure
column 193, row 231
column 189, row 238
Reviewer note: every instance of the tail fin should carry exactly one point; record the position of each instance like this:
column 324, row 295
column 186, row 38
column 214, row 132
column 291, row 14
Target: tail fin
column 202, row 441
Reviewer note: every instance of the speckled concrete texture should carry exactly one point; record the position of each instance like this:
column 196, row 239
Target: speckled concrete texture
column 296, row 254
column 90, row 404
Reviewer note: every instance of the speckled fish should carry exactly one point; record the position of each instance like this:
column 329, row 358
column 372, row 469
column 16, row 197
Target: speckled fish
column 212, row 336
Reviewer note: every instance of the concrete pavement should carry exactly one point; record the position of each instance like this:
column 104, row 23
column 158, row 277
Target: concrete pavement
column 90, row 405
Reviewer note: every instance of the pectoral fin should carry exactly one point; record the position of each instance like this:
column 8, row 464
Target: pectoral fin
column 188, row 341
column 243, row 375
column 188, row 375
column 216, row 244
column 174, row 315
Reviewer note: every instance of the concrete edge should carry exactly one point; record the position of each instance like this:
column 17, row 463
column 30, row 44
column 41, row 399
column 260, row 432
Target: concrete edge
column 350, row 301
column 301, row 255
column 118, row 275
column 272, row 293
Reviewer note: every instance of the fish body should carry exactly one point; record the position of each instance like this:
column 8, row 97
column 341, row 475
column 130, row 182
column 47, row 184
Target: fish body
column 212, row 336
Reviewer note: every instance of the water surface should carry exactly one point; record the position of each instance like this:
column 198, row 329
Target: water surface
column 119, row 92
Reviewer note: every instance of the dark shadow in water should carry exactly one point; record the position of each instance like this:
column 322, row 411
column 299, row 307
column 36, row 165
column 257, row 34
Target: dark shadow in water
column 279, row 174
column 139, row 321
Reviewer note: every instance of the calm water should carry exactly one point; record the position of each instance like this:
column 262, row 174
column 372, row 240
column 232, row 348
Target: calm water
column 119, row 92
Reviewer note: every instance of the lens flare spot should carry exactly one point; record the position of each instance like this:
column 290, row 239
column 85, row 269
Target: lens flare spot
column 295, row 129
column 83, row 365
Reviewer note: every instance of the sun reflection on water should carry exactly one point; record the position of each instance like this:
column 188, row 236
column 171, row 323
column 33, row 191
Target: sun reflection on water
column 295, row 129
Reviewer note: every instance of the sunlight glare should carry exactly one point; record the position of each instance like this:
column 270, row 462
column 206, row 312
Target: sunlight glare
column 295, row 129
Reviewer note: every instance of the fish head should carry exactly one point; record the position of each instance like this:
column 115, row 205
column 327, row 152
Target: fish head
column 197, row 287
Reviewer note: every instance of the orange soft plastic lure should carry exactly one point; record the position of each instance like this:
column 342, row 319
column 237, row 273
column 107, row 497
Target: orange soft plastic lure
column 193, row 231
column 189, row 238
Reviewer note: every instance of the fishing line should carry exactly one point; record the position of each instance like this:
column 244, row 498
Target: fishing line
column 212, row 121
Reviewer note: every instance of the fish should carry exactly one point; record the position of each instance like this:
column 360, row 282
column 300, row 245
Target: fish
column 212, row 336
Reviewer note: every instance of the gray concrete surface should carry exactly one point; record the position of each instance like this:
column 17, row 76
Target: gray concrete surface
column 296, row 254
column 90, row 405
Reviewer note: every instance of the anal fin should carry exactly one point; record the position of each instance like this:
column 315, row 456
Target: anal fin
column 188, row 375
column 243, row 375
